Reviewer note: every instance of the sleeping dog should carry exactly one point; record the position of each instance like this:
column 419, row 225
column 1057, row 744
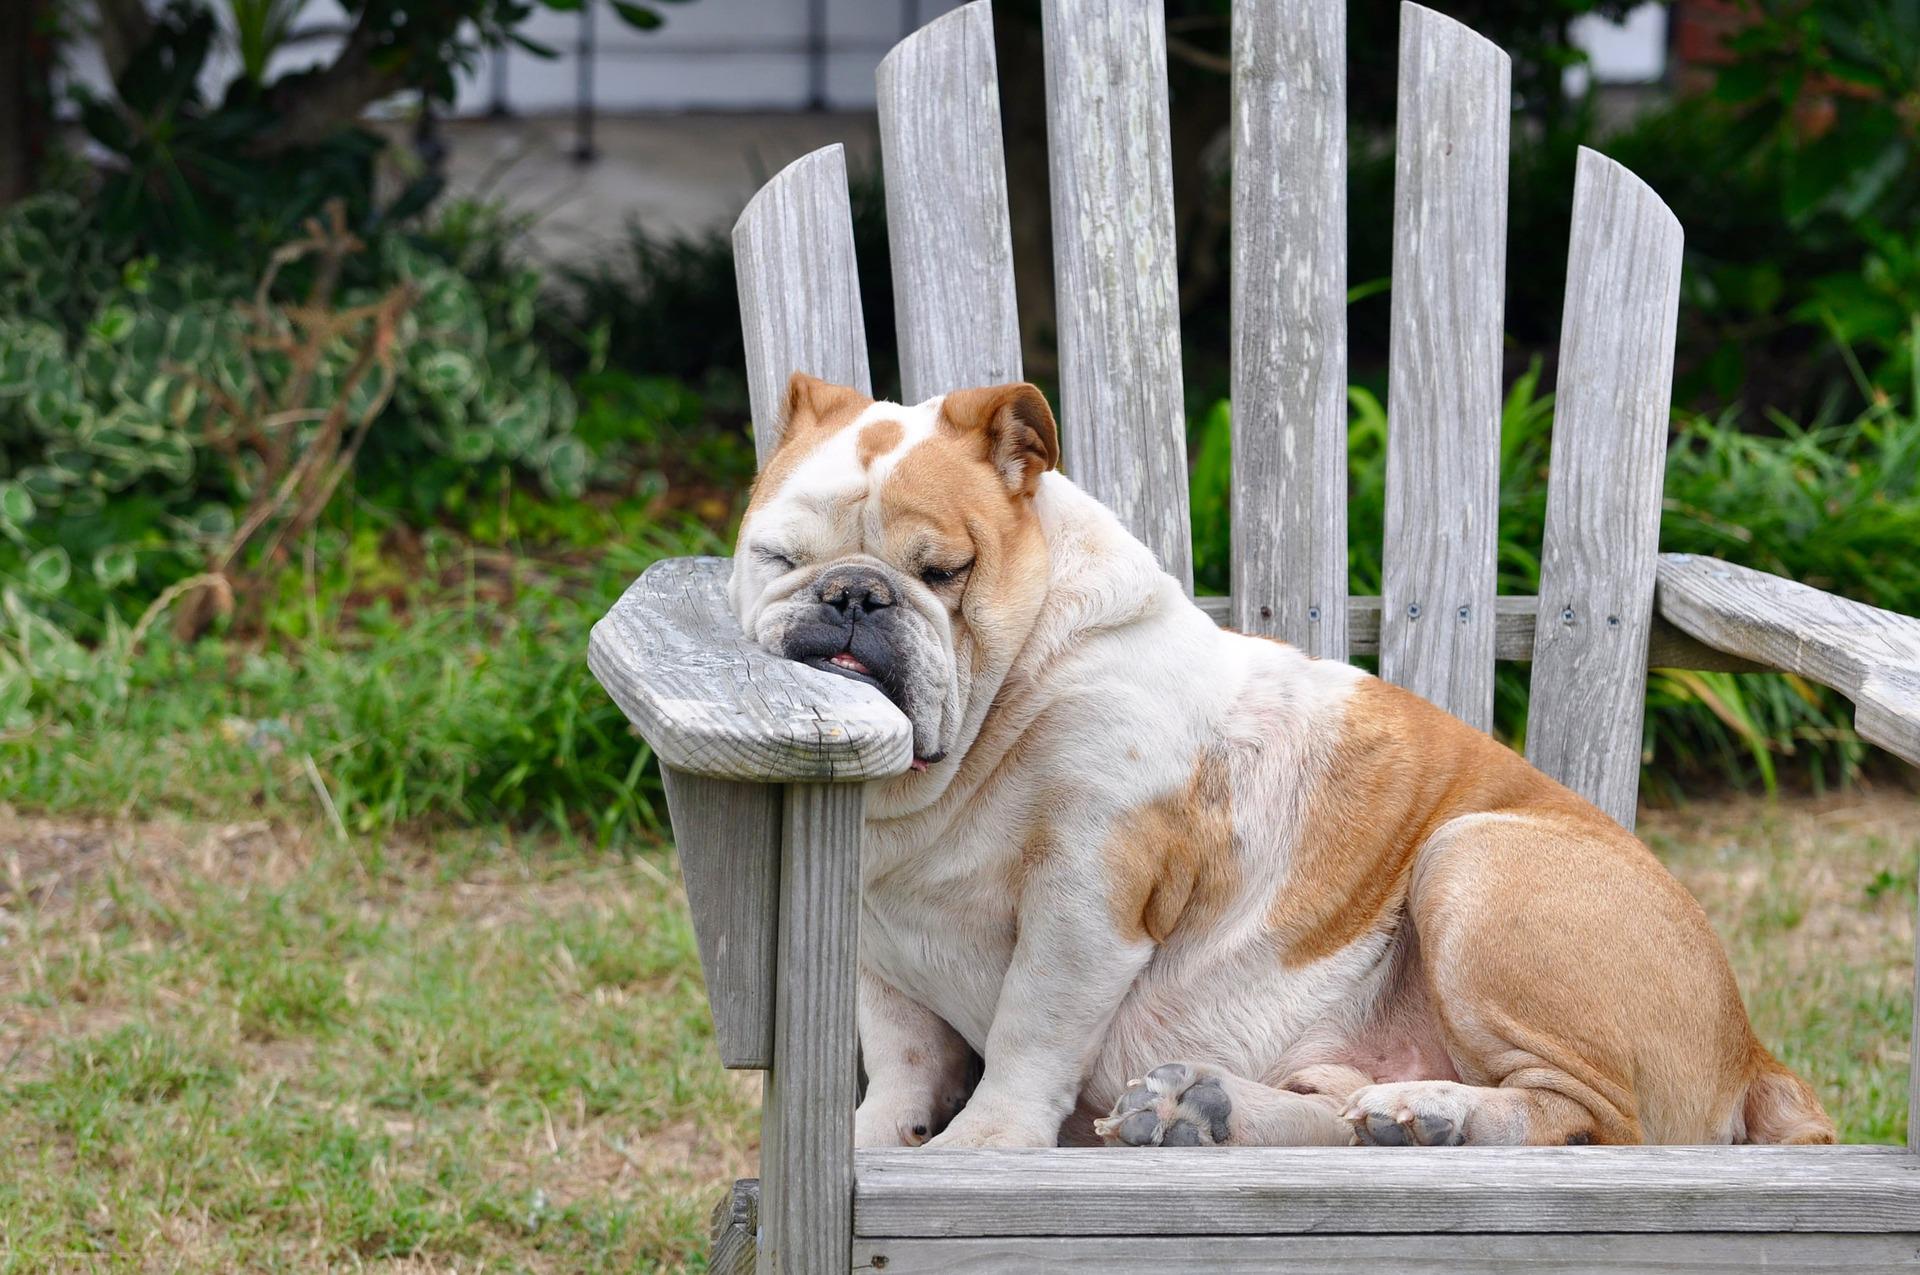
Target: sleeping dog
column 1182, row 886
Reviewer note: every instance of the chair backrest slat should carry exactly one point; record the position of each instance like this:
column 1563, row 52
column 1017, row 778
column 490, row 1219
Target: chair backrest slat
column 1444, row 366
column 799, row 290
column 1289, row 283
column 1603, row 492
column 1123, row 413
column 947, row 227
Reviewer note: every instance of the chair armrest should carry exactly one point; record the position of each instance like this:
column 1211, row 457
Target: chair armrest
column 712, row 702
column 1869, row 655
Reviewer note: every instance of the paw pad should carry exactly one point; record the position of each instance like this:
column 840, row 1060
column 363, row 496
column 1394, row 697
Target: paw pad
column 1382, row 1117
column 1173, row 1106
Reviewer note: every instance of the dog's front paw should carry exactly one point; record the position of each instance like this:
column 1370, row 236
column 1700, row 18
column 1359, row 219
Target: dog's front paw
column 1175, row 1105
column 1415, row 1113
column 987, row 1127
column 882, row 1123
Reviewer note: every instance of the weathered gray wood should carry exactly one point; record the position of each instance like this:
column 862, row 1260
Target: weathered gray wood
column 1610, row 413
column 1306, row 1190
column 806, row 1120
column 947, row 229
column 1290, row 322
column 1869, row 655
column 728, row 837
column 735, row 1230
column 712, row 702
column 799, row 291
column 1443, row 377
column 1811, row 1254
column 1122, row 414
column 1513, row 634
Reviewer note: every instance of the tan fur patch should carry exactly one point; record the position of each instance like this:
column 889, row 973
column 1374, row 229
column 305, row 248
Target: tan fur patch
column 878, row 438
column 951, row 503
column 1782, row 1108
column 1172, row 858
column 1549, row 936
column 1401, row 768
column 1010, row 426
column 816, row 411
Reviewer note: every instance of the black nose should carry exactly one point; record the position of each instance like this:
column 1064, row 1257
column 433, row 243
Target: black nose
column 854, row 590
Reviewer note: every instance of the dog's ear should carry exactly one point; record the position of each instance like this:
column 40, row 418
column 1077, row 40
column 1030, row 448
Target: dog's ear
column 811, row 400
column 1014, row 428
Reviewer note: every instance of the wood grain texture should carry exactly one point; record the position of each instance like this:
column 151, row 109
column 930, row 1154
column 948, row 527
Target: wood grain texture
column 1810, row 1254
column 1122, row 412
column 712, row 702
column 1289, row 296
column 734, row 1229
column 1610, row 413
column 947, row 226
column 727, row 835
column 1306, row 1190
column 1869, row 655
column 799, row 290
column 1513, row 634
column 806, row 1120
column 1443, row 378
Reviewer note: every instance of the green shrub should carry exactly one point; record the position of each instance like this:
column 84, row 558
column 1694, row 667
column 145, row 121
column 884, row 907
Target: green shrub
column 128, row 444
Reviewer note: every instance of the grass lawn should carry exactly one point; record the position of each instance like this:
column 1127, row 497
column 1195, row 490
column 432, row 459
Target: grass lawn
column 253, row 1045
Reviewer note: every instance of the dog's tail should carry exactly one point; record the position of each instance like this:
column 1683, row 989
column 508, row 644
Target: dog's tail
column 1781, row 1107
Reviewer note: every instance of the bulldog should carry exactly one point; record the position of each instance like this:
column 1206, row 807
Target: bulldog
column 1178, row 885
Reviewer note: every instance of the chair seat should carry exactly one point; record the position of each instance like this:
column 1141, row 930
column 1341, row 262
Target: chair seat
column 1352, row 1190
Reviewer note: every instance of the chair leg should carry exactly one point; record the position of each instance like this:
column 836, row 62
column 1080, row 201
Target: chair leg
column 735, row 1226
column 806, row 1152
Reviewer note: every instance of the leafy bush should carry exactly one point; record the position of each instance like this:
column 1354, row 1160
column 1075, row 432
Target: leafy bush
column 1797, row 183
column 1835, row 505
column 189, row 394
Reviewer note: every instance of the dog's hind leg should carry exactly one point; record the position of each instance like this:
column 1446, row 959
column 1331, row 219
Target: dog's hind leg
column 1581, row 994
column 1194, row 1105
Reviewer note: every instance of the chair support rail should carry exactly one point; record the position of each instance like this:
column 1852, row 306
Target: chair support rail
column 1869, row 655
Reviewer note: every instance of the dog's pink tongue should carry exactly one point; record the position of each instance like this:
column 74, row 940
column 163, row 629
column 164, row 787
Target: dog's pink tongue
column 919, row 763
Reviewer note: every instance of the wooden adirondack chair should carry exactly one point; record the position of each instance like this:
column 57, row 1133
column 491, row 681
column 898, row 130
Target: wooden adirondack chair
column 764, row 760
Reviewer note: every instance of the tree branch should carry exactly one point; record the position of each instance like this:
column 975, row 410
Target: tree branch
column 314, row 106
column 125, row 26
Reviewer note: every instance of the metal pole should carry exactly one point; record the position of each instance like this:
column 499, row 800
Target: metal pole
column 817, row 55
column 497, row 105
column 583, row 150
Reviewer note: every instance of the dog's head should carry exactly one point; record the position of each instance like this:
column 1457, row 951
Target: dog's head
column 899, row 546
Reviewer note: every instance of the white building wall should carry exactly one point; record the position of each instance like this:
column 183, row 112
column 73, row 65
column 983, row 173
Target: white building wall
column 757, row 55
column 710, row 55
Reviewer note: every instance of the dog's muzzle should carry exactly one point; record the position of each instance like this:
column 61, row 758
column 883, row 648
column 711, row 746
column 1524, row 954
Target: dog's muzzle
column 852, row 629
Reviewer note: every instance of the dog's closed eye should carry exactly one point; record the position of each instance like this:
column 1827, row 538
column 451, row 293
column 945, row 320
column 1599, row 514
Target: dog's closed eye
column 938, row 577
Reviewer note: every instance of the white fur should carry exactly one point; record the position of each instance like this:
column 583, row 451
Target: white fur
column 1117, row 688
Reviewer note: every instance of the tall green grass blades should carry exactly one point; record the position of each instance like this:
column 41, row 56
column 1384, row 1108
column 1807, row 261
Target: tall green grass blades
column 1720, row 694
column 1210, row 494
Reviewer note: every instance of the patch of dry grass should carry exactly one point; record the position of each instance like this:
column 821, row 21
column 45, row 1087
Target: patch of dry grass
column 251, row 1046
column 229, row 1046
column 1814, row 898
